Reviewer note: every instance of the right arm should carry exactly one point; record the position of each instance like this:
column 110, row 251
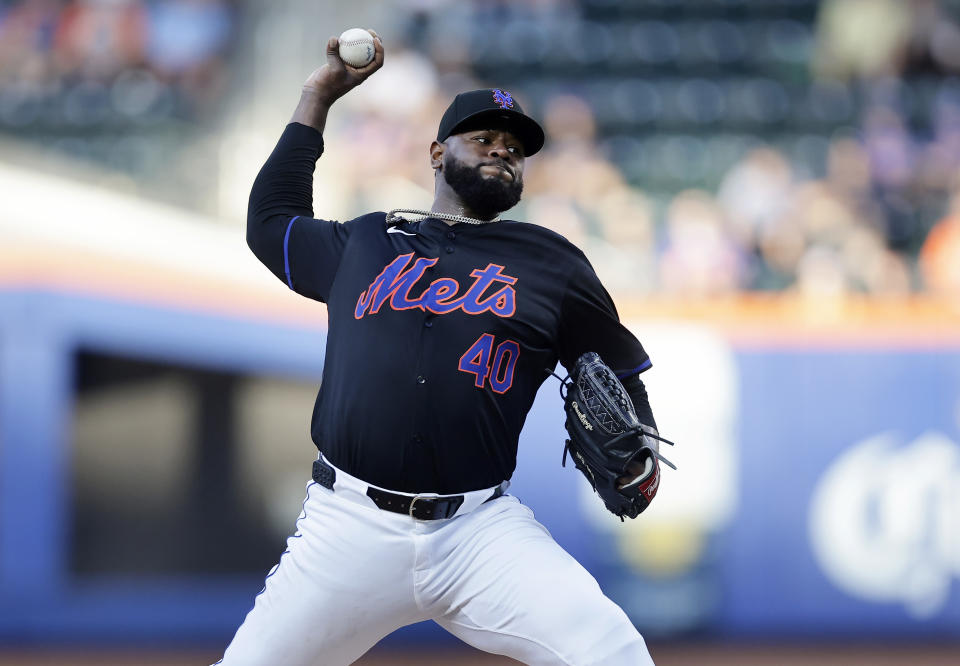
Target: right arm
column 305, row 255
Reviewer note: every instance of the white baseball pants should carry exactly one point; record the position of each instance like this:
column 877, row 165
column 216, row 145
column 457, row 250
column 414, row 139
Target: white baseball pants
column 494, row 577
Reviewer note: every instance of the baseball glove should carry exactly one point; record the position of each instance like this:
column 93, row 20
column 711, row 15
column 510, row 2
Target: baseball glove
column 607, row 442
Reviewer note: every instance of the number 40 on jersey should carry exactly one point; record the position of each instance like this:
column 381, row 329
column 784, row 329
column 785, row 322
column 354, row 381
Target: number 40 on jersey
column 491, row 365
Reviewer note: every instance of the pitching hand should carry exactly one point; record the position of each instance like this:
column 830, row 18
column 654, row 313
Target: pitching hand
column 336, row 78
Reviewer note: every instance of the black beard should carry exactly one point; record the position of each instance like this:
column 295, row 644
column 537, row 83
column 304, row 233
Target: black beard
column 484, row 197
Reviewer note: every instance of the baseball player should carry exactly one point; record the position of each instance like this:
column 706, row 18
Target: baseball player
column 442, row 327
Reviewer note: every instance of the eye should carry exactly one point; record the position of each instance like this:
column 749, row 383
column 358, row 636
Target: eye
column 514, row 150
column 481, row 139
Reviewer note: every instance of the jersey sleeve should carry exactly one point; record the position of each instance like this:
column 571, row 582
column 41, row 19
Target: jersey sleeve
column 299, row 249
column 589, row 322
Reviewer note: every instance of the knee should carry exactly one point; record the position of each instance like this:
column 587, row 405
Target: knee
column 627, row 648
column 609, row 637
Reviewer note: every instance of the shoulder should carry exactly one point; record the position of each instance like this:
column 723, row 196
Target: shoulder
column 542, row 235
column 556, row 244
column 370, row 224
column 375, row 220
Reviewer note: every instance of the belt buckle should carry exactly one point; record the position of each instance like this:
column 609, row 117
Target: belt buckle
column 418, row 496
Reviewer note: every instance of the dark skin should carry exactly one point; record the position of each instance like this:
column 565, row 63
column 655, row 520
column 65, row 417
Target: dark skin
column 495, row 151
column 332, row 81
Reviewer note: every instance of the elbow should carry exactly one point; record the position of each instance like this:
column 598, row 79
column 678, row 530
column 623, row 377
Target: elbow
column 253, row 222
column 265, row 238
column 254, row 232
column 257, row 221
column 260, row 235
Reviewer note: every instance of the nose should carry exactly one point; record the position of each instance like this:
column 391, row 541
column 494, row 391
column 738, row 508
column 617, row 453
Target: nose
column 499, row 150
column 505, row 159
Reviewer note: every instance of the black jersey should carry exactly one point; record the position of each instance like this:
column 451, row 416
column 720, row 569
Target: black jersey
column 439, row 335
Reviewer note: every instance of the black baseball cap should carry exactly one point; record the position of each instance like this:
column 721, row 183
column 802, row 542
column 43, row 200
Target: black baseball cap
column 472, row 110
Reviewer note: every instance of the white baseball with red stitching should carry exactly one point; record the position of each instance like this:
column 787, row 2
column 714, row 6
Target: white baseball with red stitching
column 356, row 47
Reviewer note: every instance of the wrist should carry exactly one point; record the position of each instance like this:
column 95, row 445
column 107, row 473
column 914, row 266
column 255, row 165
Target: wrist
column 318, row 96
column 313, row 108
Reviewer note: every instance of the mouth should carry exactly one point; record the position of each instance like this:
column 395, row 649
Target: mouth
column 498, row 171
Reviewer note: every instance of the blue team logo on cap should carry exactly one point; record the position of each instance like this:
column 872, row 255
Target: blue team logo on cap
column 503, row 99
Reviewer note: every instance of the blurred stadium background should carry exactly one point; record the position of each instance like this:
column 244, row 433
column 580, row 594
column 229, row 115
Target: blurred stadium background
column 768, row 188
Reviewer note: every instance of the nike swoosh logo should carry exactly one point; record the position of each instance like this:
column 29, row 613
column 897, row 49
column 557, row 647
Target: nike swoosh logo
column 398, row 230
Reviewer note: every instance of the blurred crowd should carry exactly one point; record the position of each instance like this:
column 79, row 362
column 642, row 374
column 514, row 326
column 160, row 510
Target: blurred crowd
column 864, row 198
column 764, row 228
column 69, row 64
column 880, row 215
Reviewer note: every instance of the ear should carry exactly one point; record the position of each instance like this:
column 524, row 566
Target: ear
column 436, row 155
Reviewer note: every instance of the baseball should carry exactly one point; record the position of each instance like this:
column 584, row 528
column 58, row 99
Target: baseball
column 356, row 47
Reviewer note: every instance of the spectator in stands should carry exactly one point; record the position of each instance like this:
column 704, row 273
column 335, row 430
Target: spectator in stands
column 940, row 254
column 49, row 50
column 186, row 41
column 625, row 257
column 699, row 258
column 98, row 39
column 934, row 39
column 861, row 39
column 570, row 165
column 753, row 195
column 26, row 35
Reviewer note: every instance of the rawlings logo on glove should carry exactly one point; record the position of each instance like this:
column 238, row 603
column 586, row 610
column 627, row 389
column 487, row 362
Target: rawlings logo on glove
column 581, row 416
column 616, row 453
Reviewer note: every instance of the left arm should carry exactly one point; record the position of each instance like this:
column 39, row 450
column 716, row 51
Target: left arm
column 638, row 396
column 589, row 322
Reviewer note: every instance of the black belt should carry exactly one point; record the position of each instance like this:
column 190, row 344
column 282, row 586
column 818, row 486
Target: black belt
column 416, row 506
